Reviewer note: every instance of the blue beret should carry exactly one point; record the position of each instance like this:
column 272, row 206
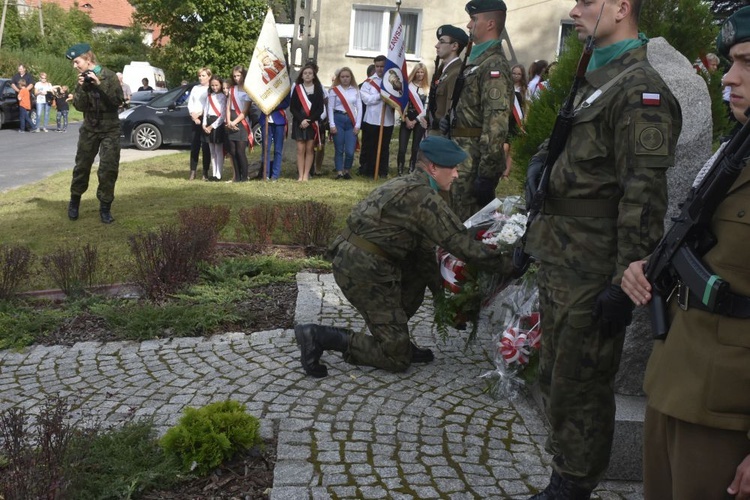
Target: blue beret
column 77, row 50
column 479, row 6
column 456, row 34
column 736, row 29
column 442, row 152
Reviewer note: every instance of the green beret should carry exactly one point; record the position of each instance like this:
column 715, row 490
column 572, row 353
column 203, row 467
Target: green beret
column 479, row 6
column 77, row 50
column 456, row 34
column 735, row 29
column 442, row 152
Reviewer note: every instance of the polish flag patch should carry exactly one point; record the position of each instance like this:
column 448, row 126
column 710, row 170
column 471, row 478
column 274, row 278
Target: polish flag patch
column 494, row 74
column 650, row 98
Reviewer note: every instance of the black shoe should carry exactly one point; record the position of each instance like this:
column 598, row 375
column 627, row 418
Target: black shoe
column 419, row 355
column 340, row 177
column 311, row 351
column 347, row 176
column 560, row 488
column 73, row 205
column 105, row 214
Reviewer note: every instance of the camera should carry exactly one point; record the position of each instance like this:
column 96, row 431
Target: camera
column 87, row 78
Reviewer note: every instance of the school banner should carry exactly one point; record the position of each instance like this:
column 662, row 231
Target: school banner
column 395, row 87
column 267, row 82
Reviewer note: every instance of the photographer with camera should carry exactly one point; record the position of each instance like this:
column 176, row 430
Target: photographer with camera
column 98, row 95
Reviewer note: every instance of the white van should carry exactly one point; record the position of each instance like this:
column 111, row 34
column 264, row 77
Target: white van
column 136, row 71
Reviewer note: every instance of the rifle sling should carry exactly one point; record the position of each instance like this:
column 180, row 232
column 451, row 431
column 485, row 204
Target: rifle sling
column 611, row 83
column 575, row 207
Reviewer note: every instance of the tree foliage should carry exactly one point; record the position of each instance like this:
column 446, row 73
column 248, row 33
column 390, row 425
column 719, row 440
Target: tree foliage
column 686, row 24
column 725, row 8
column 201, row 33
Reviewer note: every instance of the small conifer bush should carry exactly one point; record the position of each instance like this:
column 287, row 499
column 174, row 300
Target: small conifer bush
column 206, row 437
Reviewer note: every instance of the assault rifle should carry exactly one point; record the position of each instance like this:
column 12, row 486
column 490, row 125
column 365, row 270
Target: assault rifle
column 457, row 89
column 556, row 145
column 676, row 259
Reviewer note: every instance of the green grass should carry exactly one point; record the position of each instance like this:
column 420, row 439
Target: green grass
column 149, row 193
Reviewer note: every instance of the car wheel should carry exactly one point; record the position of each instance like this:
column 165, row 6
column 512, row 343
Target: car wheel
column 257, row 134
column 32, row 118
column 2, row 119
column 146, row 137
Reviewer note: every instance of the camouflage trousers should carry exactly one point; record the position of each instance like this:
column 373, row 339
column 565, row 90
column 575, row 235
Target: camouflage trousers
column 106, row 144
column 576, row 374
column 386, row 309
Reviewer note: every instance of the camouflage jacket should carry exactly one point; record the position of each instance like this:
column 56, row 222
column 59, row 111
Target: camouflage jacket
column 484, row 110
column 607, row 194
column 406, row 218
column 100, row 104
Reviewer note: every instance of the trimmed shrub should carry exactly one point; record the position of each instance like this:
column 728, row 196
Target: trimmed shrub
column 72, row 269
column 15, row 267
column 309, row 223
column 206, row 437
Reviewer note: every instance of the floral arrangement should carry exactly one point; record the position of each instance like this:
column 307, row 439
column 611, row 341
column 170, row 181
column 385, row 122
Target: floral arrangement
column 507, row 308
column 517, row 336
column 465, row 288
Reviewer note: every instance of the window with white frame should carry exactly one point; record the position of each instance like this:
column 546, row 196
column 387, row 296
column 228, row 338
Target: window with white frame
column 371, row 28
column 566, row 28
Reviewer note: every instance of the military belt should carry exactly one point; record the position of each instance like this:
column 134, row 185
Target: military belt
column 730, row 304
column 466, row 132
column 575, row 207
column 362, row 243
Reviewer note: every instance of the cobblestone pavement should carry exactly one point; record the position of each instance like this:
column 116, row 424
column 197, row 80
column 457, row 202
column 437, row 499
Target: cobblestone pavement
column 361, row 433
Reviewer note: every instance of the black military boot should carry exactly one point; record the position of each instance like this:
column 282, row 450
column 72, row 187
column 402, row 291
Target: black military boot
column 313, row 340
column 560, row 488
column 105, row 214
column 550, row 492
column 419, row 355
column 73, row 205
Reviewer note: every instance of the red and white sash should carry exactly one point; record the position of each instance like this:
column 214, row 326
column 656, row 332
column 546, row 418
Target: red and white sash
column 518, row 113
column 213, row 106
column 414, row 99
column 345, row 104
column 372, row 82
column 307, row 106
column 244, row 121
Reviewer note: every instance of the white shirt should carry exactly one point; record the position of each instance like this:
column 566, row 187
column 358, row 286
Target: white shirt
column 197, row 99
column 241, row 97
column 533, row 87
column 352, row 97
column 220, row 102
column 41, row 89
column 371, row 98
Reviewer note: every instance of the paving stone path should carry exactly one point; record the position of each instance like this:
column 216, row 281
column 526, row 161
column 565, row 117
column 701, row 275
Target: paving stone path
column 360, row 433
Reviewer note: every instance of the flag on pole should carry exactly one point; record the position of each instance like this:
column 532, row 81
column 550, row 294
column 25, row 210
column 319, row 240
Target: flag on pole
column 267, row 82
column 395, row 87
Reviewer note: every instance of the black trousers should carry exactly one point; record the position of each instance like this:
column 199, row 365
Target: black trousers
column 196, row 145
column 417, row 133
column 369, row 150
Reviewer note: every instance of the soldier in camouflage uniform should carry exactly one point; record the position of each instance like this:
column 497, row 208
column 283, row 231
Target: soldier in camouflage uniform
column 606, row 202
column 385, row 258
column 98, row 95
column 483, row 110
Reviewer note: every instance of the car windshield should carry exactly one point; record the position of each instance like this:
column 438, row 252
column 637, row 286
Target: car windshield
column 168, row 98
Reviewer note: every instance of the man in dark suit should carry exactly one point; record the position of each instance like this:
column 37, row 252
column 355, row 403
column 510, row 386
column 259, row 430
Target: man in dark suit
column 697, row 444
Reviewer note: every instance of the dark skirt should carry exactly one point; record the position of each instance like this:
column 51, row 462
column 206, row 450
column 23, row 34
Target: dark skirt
column 217, row 135
column 241, row 133
column 300, row 134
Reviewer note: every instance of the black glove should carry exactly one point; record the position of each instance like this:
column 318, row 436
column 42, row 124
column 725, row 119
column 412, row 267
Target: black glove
column 445, row 125
column 613, row 309
column 483, row 189
column 521, row 262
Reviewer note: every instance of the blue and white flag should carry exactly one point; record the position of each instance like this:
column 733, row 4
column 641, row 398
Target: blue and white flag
column 395, row 87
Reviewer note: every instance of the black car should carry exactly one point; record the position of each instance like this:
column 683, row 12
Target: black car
column 143, row 97
column 164, row 120
column 9, row 105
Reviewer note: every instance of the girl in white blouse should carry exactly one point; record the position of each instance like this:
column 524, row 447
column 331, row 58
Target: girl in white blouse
column 345, row 118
